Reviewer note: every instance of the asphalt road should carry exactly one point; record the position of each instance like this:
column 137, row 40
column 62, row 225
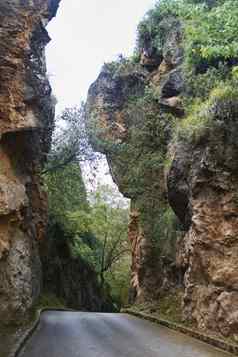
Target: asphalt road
column 82, row 334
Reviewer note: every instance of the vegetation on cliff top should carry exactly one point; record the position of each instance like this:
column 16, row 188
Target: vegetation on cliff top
column 210, row 29
column 210, row 55
column 210, row 51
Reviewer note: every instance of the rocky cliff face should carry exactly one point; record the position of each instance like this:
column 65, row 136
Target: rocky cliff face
column 133, row 130
column 202, row 186
column 26, row 119
column 135, row 112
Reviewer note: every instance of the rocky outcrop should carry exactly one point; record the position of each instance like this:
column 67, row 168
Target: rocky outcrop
column 133, row 130
column 26, row 119
column 203, row 186
column 135, row 113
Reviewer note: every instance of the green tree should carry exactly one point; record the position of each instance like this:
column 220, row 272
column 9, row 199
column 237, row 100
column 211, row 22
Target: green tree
column 94, row 227
column 70, row 142
column 63, row 179
column 66, row 191
column 107, row 220
column 109, row 224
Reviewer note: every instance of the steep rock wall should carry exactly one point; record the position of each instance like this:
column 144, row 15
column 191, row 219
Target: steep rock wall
column 133, row 130
column 26, row 120
column 203, row 186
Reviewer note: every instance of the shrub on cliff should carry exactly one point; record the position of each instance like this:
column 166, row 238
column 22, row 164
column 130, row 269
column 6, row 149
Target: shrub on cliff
column 215, row 114
column 211, row 36
column 198, row 86
column 210, row 30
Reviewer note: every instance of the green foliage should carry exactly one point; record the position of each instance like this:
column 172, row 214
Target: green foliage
column 67, row 199
column 144, row 150
column 211, row 35
column 210, row 30
column 169, row 307
column 139, row 159
column 111, row 67
column 198, row 86
column 107, row 219
column 159, row 220
column 65, row 187
column 49, row 300
column 212, row 114
column 118, row 279
column 70, row 141
column 81, row 249
column 223, row 104
column 235, row 72
column 122, row 65
column 135, row 58
column 96, row 230
column 223, row 93
column 70, row 210
column 193, row 127
column 152, row 29
column 66, row 191
column 140, row 154
column 64, row 183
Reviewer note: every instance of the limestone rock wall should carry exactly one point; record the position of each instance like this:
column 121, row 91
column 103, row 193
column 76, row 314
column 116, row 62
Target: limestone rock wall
column 133, row 130
column 26, row 120
column 203, row 186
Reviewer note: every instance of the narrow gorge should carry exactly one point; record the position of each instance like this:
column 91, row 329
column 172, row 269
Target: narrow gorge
column 166, row 119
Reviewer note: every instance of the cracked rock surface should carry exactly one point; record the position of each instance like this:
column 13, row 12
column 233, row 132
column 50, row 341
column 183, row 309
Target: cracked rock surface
column 26, row 120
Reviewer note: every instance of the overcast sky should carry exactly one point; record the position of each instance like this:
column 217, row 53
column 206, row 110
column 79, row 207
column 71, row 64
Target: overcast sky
column 85, row 34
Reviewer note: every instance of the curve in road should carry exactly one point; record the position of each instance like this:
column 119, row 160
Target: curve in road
column 83, row 334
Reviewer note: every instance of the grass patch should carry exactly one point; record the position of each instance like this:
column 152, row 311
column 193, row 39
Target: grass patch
column 49, row 300
column 168, row 307
column 202, row 118
column 193, row 128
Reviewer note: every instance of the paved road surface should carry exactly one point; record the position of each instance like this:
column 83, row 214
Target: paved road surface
column 82, row 334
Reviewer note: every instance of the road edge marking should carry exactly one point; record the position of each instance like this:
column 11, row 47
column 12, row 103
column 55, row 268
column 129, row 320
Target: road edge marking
column 215, row 342
column 30, row 331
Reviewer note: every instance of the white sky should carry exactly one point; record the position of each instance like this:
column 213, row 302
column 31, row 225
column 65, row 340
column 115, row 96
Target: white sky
column 85, row 34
